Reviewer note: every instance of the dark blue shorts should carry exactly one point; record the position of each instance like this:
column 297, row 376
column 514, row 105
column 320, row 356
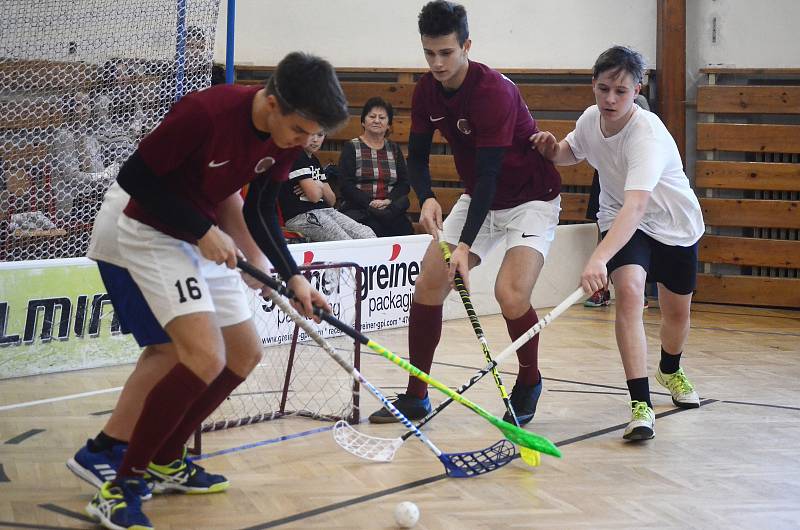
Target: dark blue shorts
column 132, row 311
column 673, row 266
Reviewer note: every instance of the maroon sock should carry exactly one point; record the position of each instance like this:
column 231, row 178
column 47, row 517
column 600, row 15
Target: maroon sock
column 528, row 354
column 164, row 408
column 424, row 331
column 219, row 389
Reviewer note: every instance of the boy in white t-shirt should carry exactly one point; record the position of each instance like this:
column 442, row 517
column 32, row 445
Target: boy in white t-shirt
column 650, row 220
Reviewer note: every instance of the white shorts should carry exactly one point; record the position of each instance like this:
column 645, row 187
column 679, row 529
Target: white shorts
column 176, row 280
column 530, row 224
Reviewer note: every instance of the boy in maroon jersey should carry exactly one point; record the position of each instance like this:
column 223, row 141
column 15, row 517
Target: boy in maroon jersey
column 183, row 179
column 512, row 194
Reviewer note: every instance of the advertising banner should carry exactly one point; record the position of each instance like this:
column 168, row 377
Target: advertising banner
column 55, row 314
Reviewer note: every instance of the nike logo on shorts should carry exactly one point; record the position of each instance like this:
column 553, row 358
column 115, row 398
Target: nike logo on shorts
column 436, row 119
column 524, row 235
column 217, row 164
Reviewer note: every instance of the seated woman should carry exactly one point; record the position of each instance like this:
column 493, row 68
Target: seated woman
column 77, row 165
column 374, row 183
column 306, row 201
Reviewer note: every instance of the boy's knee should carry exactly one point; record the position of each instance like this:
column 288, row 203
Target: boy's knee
column 431, row 285
column 249, row 360
column 208, row 369
column 627, row 292
column 675, row 315
column 512, row 301
column 206, row 363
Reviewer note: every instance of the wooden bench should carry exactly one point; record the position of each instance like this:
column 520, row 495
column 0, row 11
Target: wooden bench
column 33, row 105
column 445, row 177
column 749, row 177
column 21, row 75
column 570, row 95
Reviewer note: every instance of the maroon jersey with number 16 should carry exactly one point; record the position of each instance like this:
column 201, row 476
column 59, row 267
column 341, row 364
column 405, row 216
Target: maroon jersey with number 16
column 206, row 149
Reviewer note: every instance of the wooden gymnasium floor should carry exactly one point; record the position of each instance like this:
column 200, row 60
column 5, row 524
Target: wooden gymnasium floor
column 734, row 463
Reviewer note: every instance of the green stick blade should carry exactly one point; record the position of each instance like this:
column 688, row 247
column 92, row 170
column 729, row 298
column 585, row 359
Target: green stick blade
column 525, row 438
column 513, row 433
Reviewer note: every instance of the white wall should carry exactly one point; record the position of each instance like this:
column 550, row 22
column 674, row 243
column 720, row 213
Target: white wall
column 520, row 34
column 100, row 29
column 514, row 33
column 750, row 34
column 505, row 33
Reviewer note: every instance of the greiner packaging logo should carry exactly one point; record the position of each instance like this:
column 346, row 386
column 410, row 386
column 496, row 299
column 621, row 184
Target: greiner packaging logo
column 389, row 268
column 389, row 287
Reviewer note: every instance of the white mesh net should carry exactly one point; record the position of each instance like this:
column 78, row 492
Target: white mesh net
column 296, row 376
column 81, row 83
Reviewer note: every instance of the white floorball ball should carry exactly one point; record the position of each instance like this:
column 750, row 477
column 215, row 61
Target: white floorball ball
column 406, row 514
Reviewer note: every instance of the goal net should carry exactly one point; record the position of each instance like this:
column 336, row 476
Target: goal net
column 296, row 376
column 81, row 82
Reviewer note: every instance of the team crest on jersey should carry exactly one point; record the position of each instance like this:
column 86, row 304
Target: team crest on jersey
column 464, row 126
column 264, row 164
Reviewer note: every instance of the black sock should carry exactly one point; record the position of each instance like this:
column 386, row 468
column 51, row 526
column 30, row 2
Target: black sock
column 640, row 390
column 670, row 362
column 103, row 442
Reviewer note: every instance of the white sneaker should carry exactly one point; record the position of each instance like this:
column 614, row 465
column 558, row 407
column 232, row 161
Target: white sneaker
column 643, row 421
column 683, row 394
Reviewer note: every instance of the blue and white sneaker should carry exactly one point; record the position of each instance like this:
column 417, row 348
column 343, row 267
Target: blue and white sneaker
column 184, row 476
column 524, row 399
column 411, row 407
column 119, row 506
column 97, row 467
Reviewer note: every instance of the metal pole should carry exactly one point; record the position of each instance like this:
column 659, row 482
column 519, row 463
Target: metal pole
column 231, row 30
column 180, row 50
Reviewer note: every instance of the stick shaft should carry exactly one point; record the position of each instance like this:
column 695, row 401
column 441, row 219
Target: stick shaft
column 514, row 346
column 476, row 327
column 363, row 339
column 512, row 432
column 309, row 329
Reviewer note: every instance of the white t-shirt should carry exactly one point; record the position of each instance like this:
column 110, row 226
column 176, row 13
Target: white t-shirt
column 103, row 243
column 642, row 156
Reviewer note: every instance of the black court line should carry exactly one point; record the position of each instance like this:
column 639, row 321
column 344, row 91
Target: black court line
column 3, row 476
column 7, row 524
column 343, row 504
column 101, row 412
column 691, row 326
column 586, row 392
column 659, row 393
column 761, row 405
column 622, row 425
column 584, row 383
column 436, row 478
column 18, row 439
column 68, row 513
column 787, row 317
column 598, row 385
column 611, row 387
column 258, row 393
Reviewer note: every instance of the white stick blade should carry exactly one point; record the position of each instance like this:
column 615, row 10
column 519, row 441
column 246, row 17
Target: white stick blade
column 365, row 446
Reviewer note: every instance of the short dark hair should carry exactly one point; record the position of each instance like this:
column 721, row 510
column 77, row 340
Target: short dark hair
column 307, row 84
column 620, row 59
column 440, row 18
column 377, row 102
